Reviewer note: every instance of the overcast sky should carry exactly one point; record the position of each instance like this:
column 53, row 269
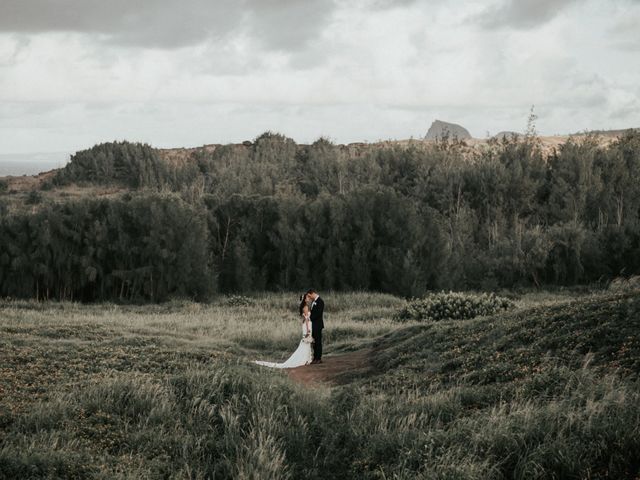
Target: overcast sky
column 185, row 73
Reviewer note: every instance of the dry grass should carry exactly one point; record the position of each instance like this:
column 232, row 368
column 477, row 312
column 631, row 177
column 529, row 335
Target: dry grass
column 168, row 391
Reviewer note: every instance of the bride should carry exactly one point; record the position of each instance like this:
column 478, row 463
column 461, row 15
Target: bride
column 303, row 354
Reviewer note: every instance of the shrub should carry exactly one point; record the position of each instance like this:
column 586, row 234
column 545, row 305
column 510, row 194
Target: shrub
column 238, row 301
column 621, row 284
column 453, row 305
column 34, row 198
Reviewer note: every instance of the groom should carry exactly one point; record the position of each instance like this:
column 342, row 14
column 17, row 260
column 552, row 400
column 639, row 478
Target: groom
column 317, row 324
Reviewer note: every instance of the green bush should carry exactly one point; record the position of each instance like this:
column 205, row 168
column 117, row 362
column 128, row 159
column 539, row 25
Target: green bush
column 621, row 284
column 34, row 198
column 238, row 301
column 453, row 305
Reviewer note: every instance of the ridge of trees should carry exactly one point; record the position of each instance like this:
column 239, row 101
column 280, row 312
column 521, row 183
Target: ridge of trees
column 276, row 215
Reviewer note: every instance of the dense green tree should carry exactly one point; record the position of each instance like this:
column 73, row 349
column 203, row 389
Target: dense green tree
column 133, row 164
column 144, row 248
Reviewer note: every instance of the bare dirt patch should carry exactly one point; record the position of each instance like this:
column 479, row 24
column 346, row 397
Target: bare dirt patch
column 334, row 369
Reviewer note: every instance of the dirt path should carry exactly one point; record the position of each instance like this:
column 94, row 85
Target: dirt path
column 334, row 369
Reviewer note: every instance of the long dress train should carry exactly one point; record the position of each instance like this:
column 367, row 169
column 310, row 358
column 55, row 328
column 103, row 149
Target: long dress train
column 302, row 356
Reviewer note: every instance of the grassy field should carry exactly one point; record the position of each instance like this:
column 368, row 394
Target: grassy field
column 548, row 390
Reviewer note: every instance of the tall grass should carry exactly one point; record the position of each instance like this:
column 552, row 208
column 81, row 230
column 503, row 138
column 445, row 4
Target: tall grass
column 230, row 422
column 167, row 392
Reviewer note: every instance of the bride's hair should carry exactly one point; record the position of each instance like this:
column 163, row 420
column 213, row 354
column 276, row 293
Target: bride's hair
column 302, row 303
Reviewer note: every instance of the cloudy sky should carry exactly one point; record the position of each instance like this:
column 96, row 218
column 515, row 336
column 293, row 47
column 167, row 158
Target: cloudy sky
column 185, row 73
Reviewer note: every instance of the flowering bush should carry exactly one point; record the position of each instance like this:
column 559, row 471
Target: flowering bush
column 622, row 284
column 453, row 305
column 238, row 301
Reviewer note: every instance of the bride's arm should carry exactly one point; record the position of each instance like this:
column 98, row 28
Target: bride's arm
column 307, row 320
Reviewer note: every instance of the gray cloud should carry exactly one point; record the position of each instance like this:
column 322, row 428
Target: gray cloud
column 623, row 34
column 275, row 24
column 348, row 69
column 626, row 112
column 385, row 4
column 522, row 14
column 20, row 44
column 289, row 24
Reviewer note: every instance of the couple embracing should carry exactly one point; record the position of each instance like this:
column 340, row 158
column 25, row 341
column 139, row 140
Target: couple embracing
column 309, row 350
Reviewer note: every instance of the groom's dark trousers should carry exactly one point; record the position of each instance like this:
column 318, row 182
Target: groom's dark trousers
column 317, row 343
column 317, row 324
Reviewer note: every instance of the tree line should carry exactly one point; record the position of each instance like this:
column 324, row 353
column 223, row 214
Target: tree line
column 131, row 248
column 271, row 214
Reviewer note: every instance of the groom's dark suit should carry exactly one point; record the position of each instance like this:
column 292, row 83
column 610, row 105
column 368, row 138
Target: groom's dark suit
column 317, row 324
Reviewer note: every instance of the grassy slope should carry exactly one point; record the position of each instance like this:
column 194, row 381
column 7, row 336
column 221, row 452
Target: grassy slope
column 545, row 392
column 509, row 348
column 166, row 392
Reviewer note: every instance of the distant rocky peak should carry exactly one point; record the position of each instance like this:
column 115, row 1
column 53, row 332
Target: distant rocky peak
column 440, row 130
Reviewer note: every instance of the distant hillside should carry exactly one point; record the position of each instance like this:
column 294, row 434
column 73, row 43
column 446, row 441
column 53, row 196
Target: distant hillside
column 507, row 135
column 607, row 133
column 38, row 172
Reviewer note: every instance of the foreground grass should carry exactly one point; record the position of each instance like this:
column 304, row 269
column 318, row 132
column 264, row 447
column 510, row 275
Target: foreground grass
column 547, row 391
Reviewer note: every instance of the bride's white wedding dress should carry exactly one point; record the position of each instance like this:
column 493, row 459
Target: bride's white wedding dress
column 302, row 356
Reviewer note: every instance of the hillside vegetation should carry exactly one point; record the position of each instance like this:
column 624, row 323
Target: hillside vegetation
column 274, row 215
column 549, row 390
